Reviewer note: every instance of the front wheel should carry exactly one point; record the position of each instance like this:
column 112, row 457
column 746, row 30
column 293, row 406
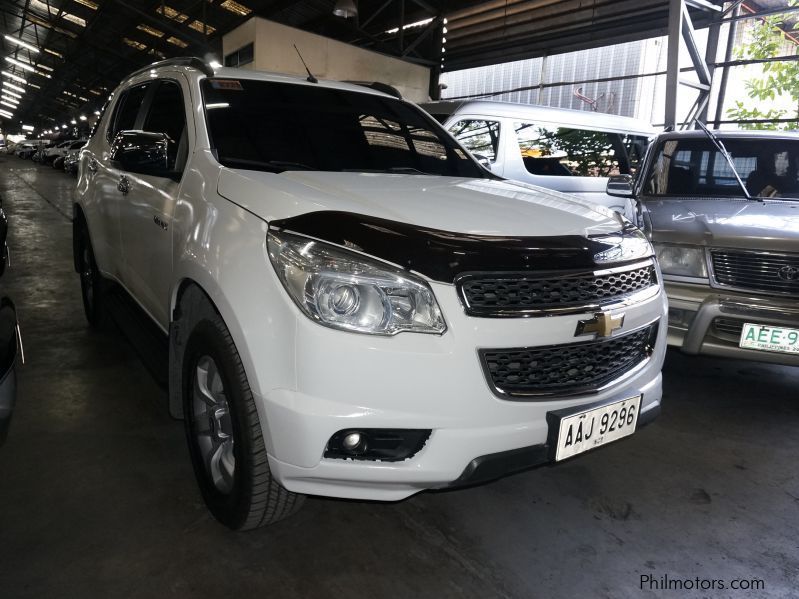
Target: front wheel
column 224, row 432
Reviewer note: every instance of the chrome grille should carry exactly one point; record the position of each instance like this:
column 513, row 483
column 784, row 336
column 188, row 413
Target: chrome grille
column 756, row 271
column 519, row 293
column 571, row 368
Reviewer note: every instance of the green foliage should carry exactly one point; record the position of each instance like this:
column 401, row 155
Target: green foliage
column 780, row 79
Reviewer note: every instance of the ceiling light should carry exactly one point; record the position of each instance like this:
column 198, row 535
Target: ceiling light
column 14, row 101
column 97, row 112
column 74, row 122
column 13, row 76
column 6, row 114
column 63, row 126
column 28, row 127
column 14, row 87
column 9, row 104
column 19, row 42
column 81, row 117
column 10, row 93
column 87, row 3
column 20, row 64
column 345, row 9
column 54, row 53
column 236, row 8
column 45, row 67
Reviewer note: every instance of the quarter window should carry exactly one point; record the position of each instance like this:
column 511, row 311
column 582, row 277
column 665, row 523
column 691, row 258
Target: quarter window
column 478, row 136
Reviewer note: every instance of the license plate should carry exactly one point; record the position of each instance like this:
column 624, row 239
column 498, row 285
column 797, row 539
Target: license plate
column 596, row 427
column 770, row 338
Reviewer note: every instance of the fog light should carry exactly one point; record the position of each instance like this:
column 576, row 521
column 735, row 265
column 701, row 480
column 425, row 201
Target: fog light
column 378, row 444
column 351, row 441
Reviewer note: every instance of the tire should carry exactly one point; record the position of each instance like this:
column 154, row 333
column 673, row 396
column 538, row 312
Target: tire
column 223, row 430
column 92, row 284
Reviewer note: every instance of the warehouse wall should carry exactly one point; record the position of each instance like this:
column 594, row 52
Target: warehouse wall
column 327, row 58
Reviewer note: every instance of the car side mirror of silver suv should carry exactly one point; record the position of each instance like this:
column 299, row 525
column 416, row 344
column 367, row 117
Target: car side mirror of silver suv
column 621, row 186
column 143, row 152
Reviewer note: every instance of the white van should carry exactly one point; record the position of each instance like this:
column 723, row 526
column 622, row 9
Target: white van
column 572, row 151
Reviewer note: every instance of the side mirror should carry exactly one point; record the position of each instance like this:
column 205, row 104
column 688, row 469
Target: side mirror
column 621, row 186
column 483, row 160
column 143, row 152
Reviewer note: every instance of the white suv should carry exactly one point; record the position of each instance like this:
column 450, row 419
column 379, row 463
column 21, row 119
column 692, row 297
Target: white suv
column 354, row 306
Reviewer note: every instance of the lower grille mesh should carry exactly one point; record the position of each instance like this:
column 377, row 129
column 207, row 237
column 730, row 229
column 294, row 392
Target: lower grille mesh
column 566, row 369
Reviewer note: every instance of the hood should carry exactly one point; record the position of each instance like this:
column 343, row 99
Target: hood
column 472, row 206
column 751, row 224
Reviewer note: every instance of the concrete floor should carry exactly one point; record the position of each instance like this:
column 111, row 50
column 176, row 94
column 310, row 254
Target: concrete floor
column 98, row 499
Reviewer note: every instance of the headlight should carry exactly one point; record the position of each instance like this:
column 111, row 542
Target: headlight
column 344, row 290
column 682, row 261
column 628, row 244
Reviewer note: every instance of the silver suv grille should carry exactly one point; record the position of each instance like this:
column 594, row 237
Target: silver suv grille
column 521, row 294
column 756, row 271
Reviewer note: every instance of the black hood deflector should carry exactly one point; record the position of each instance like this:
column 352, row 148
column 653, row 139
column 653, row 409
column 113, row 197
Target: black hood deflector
column 443, row 255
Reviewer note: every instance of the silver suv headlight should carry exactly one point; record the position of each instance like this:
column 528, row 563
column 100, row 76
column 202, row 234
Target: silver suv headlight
column 345, row 290
column 681, row 260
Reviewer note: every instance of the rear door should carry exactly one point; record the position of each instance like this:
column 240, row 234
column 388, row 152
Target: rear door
column 100, row 178
column 149, row 204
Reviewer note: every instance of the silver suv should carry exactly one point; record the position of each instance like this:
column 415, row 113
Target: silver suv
column 727, row 239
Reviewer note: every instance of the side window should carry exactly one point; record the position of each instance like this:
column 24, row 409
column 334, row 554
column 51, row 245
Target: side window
column 127, row 109
column 478, row 136
column 167, row 114
column 565, row 151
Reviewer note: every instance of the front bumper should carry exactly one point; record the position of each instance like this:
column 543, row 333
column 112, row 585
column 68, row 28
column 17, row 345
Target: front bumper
column 703, row 320
column 412, row 381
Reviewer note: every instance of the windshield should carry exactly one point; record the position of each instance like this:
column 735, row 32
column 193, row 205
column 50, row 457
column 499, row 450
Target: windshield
column 270, row 126
column 695, row 167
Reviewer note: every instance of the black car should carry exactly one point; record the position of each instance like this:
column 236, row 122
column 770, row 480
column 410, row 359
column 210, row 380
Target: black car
column 10, row 342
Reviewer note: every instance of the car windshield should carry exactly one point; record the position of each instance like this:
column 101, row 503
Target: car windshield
column 695, row 167
column 275, row 127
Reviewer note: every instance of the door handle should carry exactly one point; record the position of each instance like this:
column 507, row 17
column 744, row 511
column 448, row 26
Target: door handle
column 124, row 184
column 92, row 165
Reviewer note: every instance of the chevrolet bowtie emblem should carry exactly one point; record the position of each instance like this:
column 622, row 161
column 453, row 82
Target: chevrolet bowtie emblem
column 603, row 324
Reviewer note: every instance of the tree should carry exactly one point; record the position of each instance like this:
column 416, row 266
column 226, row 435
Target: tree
column 780, row 79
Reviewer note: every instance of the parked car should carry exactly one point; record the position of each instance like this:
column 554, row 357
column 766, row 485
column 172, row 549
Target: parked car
column 10, row 341
column 56, row 151
column 727, row 239
column 26, row 149
column 572, row 151
column 71, row 156
column 354, row 306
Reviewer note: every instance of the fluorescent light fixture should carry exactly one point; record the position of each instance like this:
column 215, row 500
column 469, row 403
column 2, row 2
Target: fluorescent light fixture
column 14, row 101
column 8, row 92
column 12, row 76
column 9, row 104
column 81, row 117
column 97, row 112
column 45, row 67
column 6, row 114
column 63, row 126
column 20, row 64
column 27, row 127
column 217, row 105
column 74, row 122
column 14, row 87
column 19, row 42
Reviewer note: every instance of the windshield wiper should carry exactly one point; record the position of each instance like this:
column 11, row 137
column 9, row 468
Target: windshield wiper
column 403, row 170
column 277, row 166
column 720, row 147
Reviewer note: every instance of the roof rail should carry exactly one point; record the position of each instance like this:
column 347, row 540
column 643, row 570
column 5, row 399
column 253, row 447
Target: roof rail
column 181, row 61
column 379, row 86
